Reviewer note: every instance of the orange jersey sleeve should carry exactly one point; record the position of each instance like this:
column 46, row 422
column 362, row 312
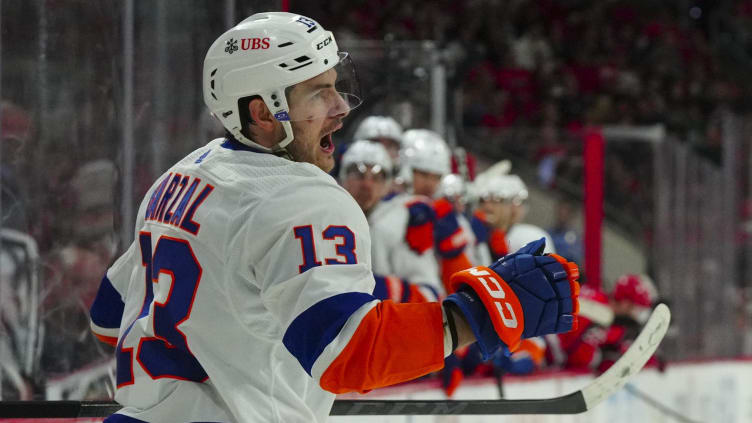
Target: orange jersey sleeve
column 393, row 343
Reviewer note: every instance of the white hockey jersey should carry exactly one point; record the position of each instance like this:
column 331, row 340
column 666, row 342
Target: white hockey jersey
column 390, row 222
column 246, row 297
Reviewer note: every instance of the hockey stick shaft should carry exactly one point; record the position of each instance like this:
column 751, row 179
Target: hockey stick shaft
column 577, row 402
column 570, row 404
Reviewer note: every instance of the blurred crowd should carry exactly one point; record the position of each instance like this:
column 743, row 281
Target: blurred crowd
column 533, row 74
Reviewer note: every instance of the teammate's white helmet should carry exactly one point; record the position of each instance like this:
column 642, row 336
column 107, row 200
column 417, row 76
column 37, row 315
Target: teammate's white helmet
column 501, row 187
column 518, row 188
column 425, row 150
column 366, row 152
column 452, row 186
column 374, row 127
column 263, row 55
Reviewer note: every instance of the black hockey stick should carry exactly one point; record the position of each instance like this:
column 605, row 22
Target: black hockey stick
column 577, row 402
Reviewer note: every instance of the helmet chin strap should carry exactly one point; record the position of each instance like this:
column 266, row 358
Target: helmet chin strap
column 280, row 149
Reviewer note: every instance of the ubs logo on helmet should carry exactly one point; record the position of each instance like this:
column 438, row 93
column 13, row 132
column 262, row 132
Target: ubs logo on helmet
column 254, row 43
column 231, row 46
column 324, row 43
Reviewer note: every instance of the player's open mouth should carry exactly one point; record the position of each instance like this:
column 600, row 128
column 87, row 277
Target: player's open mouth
column 327, row 144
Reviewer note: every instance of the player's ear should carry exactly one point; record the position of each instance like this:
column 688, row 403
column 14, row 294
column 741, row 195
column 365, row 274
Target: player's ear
column 261, row 116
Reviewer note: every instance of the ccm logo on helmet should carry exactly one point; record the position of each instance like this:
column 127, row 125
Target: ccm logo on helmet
column 324, row 43
column 254, row 43
column 497, row 293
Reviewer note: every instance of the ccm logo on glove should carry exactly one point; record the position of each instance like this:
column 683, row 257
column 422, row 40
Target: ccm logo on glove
column 497, row 293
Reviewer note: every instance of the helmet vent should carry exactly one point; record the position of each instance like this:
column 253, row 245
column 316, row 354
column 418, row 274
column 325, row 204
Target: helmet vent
column 289, row 43
column 213, row 72
column 312, row 29
column 298, row 67
column 302, row 59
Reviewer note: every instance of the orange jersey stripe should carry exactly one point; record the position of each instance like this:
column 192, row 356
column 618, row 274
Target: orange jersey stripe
column 394, row 343
column 110, row 340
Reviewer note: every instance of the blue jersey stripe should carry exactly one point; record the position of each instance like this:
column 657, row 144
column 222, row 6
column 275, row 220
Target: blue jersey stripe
column 233, row 144
column 107, row 309
column 380, row 290
column 122, row 418
column 316, row 327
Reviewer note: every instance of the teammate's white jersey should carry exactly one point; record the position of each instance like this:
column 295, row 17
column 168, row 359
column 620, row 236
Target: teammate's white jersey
column 390, row 221
column 520, row 234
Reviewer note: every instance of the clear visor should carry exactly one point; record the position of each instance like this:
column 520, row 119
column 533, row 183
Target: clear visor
column 333, row 93
column 361, row 170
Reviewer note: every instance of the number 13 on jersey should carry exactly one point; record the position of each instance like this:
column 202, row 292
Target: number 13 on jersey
column 166, row 353
column 345, row 245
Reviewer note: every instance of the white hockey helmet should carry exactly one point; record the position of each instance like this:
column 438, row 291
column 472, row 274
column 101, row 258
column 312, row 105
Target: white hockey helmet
column 452, row 186
column 425, row 150
column 518, row 188
column 374, row 127
column 368, row 153
column 501, row 187
column 267, row 53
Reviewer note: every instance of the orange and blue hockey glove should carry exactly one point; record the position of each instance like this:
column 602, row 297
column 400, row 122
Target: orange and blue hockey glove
column 447, row 232
column 522, row 295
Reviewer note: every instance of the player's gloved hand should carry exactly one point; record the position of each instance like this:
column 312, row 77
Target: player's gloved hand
column 451, row 374
column 522, row 295
column 448, row 235
column 514, row 364
column 525, row 360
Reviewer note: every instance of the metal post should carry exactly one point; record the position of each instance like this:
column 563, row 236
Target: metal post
column 438, row 93
column 729, row 186
column 126, row 228
column 229, row 13
column 159, row 136
column 2, row 216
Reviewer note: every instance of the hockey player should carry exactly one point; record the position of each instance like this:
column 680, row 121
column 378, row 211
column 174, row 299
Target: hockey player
column 520, row 233
column 632, row 299
column 500, row 207
column 384, row 130
column 402, row 226
column 365, row 172
column 413, row 237
column 454, row 190
column 246, row 295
